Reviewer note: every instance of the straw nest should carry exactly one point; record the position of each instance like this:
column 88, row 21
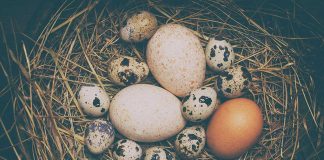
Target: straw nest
column 76, row 45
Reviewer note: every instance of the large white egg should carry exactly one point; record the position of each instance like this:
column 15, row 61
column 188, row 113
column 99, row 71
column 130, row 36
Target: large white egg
column 176, row 59
column 146, row 113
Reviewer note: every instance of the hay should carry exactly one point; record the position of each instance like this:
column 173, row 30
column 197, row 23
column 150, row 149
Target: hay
column 74, row 47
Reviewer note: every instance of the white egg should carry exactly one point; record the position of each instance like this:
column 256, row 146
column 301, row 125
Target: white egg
column 159, row 153
column 141, row 25
column 199, row 104
column 93, row 100
column 219, row 54
column 233, row 82
column 126, row 149
column 190, row 142
column 125, row 70
column 99, row 135
column 176, row 59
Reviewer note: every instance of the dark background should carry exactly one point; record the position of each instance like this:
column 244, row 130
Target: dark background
column 26, row 16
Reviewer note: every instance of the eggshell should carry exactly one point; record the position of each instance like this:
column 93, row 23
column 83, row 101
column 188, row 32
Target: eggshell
column 176, row 59
column 146, row 113
column 141, row 25
column 99, row 135
column 93, row 100
column 233, row 82
column 125, row 70
column 199, row 104
column 190, row 142
column 234, row 128
column 159, row 153
column 219, row 54
column 126, row 149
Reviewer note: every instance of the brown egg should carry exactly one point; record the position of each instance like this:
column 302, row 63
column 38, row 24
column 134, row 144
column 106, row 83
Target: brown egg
column 234, row 128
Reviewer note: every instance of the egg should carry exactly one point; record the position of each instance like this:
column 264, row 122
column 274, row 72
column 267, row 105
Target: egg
column 93, row 100
column 234, row 128
column 146, row 113
column 174, row 55
column 99, row 135
column 199, row 104
column 125, row 70
column 219, row 54
column 190, row 142
column 126, row 149
column 141, row 25
column 233, row 82
column 159, row 153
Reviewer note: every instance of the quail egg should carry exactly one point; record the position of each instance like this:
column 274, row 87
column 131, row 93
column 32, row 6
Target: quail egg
column 126, row 149
column 141, row 25
column 233, row 82
column 219, row 54
column 199, row 104
column 126, row 70
column 93, row 100
column 190, row 142
column 159, row 153
column 99, row 135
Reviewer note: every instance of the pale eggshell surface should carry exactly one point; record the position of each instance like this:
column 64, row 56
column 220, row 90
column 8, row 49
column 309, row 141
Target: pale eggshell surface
column 99, row 135
column 190, row 142
column 93, row 100
column 176, row 59
column 141, row 25
column 146, row 113
column 233, row 82
column 159, row 153
column 126, row 149
column 125, row 70
column 199, row 104
column 219, row 54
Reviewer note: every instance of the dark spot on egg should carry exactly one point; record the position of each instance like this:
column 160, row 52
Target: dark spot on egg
column 181, row 135
column 102, row 110
column 221, row 47
column 137, row 60
column 206, row 100
column 184, row 109
column 193, row 97
column 123, row 141
column 228, row 90
column 194, row 148
column 168, row 154
column 124, row 62
column 192, row 137
column 198, row 129
column 212, row 52
column 96, row 102
column 203, row 88
column 246, row 82
column 155, row 157
column 229, row 77
column 224, row 73
column 120, row 151
column 190, row 113
column 127, row 77
column 219, row 65
column 215, row 47
column 226, row 54
column 137, row 149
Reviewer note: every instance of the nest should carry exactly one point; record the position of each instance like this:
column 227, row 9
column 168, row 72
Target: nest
column 75, row 47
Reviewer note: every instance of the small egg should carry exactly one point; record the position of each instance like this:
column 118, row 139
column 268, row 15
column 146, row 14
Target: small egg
column 233, row 82
column 159, row 153
column 141, row 25
column 99, row 135
column 199, row 104
column 93, row 100
column 190, row 142
column 126, row 149
column 126, row 70
column 219, row 54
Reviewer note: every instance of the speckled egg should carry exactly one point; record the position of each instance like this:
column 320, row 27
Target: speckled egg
column 176, row 59
column 126, row 70
column 99, row 135
column 126, row 149
column 141, row 25
column 219, row 54
column 233, row 82
column 159, row 153
column 199, row 104
column 190, row 142
column 93, row 100
column 146, row 113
